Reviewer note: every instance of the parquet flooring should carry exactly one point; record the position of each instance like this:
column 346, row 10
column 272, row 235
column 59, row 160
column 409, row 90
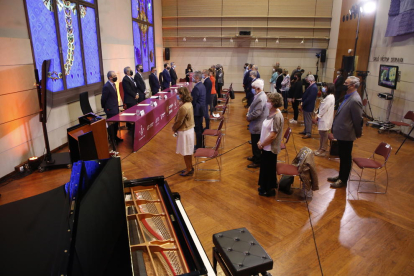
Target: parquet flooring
column 355, row 234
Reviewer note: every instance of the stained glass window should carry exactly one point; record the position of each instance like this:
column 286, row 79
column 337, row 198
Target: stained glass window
column 71, row 27
column 143, row 33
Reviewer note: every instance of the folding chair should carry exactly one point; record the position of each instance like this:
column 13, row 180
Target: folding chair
column 383, row 150
column 289, row 170
column 214, row 133
column 203, row 153
column 285, row 140
column 221, row 117
column 408, row 116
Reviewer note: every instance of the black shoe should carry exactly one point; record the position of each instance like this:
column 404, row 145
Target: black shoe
column 253, row 165
column 338, row 184
column 250, row 158
column 307, row 136
column 117, row 139
column 284, row 111
column 303, row 133
column 268, row 193
column 333, row 179
column 250, row 142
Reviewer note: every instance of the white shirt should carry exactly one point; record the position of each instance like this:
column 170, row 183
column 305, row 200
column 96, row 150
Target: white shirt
column 267, row 127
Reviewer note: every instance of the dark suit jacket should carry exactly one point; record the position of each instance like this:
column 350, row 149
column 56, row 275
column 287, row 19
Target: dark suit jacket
column 208, row 85
column 279, row 83
column 296, row 90
column 166, row 79
column 130, row 91
column 173, row 75
column 187, row 73
column 109, row 100
column 154, row 83
column 140, row 86
column 199, row 99
column 340, row 88
column 247, row 81
column 309, row 98
column 347, row 125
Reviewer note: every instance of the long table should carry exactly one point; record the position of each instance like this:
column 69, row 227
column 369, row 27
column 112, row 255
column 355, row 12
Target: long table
column 155, row 117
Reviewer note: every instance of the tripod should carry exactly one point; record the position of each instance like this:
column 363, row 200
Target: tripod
column 363, row 76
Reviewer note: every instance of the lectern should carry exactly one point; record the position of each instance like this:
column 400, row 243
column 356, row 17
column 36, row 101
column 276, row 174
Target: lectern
column 89, row 139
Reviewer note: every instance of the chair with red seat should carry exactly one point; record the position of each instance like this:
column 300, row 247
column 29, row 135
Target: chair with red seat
column 288, row 170
column 220, row 107
column 285, row 140
column 204, row 153
column 214, row 132
column 221, row 117
column 383, row 150
column 408, row 116
column 226, row 91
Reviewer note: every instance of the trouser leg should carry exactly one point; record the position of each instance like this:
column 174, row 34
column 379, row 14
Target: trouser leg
column 324, row 140
column 345, row 157
column 198, row 129
column 257, row 154
column 308, row 122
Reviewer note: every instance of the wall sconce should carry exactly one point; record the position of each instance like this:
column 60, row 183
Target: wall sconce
column 184, row 39
column 277, row 41
column 303, row 41
column 256, row 41
column 231, row 40
column 204, row 39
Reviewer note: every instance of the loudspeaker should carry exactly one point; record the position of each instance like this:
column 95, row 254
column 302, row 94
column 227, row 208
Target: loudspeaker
column 167, row 53
column 348, row 63
column 323, row 55
column 244, row 33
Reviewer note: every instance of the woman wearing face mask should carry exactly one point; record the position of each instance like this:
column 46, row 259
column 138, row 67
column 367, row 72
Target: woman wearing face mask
column 212, row 75
column 187, row 72
column 295, row 94
column 273, row 80
column 269, row 144
column 285, row 89
column 325, row 117
column 184, row 127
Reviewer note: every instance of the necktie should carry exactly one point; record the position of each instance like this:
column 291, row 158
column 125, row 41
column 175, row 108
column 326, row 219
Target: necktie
column 113, row 84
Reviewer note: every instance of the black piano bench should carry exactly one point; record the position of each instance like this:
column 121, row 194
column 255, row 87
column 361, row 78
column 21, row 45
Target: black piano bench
column 239, row 254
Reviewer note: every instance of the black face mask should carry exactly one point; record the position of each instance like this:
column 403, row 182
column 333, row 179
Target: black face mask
column 131, row 73
column 168, row 68
column 141, row 70
column 114, row 79
column 284, row 74
column 244, row 67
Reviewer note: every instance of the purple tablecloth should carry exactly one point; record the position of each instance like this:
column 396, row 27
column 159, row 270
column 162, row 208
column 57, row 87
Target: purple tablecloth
column 155, row 118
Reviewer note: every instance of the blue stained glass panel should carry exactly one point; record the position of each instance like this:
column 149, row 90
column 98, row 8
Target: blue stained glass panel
column 137, row 43
column 142, row 10
column 149, row 11
column 71, row 46
column 90, row 1
column 144, row 47
column 44, row 39
column 134, row 7
column 151, row 47
column 90, row 45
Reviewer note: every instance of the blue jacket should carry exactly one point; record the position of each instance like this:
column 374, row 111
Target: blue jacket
column 166, row 79
column 208, row 85
column 109, row 100
column 199, row 99
column 309, row 98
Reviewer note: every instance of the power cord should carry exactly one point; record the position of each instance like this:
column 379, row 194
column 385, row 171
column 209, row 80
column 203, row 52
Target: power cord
column 314, row 237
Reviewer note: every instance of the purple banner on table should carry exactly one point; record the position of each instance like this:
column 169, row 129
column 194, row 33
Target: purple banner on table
column 155, row 117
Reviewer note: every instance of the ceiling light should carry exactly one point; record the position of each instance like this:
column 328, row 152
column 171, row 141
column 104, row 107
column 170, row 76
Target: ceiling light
column 368, row 7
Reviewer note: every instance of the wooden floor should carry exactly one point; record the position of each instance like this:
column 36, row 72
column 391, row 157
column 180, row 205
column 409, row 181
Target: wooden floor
column 359, row 234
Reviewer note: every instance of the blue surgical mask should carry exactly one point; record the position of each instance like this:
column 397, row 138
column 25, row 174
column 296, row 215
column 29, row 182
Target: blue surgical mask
column 178, row 97
column 323, row 89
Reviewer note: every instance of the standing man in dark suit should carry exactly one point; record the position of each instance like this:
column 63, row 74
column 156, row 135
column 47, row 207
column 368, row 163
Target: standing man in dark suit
column 131, row 95
column 139, row 80
column 247, row 81
column 339, row 87
column 208, row 85
column 166, row 78
column 173, row 74
column 347, row 127
column 109, row 100
column 199, row 104
column 153, row 81
column 255, row 68
column 308, row 105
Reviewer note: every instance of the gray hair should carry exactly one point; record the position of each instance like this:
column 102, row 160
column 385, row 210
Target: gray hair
column 259, row 83
column 354, row 81
column 253, row 73
column 197, row 75
column 126, row 70
column 310, row 78
column 276, row 99
column 110, row 73
column 254, row 67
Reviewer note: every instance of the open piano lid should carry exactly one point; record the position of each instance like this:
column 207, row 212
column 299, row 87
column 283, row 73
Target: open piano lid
column 80, row 228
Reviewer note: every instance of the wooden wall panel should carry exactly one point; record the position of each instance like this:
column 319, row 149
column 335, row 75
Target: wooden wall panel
column 196, row 42
column 323, row 22
column 291, row 32
column 321, row 32
column 288, row 22
column 170, row 42
column 323, row 8
column 202, row 22
column 243, row 22
column 245, row 8
column 296, row 8
column 170, row 32
column 169, row 22
column 169, row 7
column 199, row 33
column 199, row 8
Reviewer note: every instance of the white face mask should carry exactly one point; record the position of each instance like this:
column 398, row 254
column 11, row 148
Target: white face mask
column 338, row 72
column 273, row 70
column 269, row 105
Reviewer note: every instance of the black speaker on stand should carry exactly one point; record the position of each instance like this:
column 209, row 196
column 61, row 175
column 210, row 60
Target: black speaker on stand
column 167, row 53
column 323, row 55
column 348, row 63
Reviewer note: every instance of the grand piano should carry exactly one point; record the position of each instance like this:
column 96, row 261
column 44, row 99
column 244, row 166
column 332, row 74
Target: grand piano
column 96, row 224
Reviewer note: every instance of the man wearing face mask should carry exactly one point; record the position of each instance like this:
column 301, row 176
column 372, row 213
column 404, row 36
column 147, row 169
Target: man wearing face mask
column 339, row 87
column 166, row 78
column 208, row 85
column 308, row 105
column 246, row 68
column 325, row 117
column 295, row 70
column 199, row 105
column 139, row 80
column 273, row 80
column 109, row 100
column 173, row 74
column 153, row 81
column 131, row 95
column 255, row 116
column 347, row 127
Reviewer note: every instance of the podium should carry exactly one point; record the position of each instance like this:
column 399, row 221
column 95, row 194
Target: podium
column 89, row 139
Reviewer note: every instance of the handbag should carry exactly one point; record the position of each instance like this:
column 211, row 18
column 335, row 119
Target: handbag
column 232, row 96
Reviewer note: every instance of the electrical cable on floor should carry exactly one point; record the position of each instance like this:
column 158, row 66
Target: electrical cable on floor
column 314, row 237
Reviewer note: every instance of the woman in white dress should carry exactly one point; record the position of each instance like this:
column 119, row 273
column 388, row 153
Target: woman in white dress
column 184, row 128
column 325, row 117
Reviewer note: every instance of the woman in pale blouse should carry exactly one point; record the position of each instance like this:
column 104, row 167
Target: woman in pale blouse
column 184, row 127
column 325, row 117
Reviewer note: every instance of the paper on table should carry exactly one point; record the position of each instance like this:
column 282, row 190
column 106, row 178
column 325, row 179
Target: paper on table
column 163, row 92
column 154, row 97
column 143, row 104
column 128, row 114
